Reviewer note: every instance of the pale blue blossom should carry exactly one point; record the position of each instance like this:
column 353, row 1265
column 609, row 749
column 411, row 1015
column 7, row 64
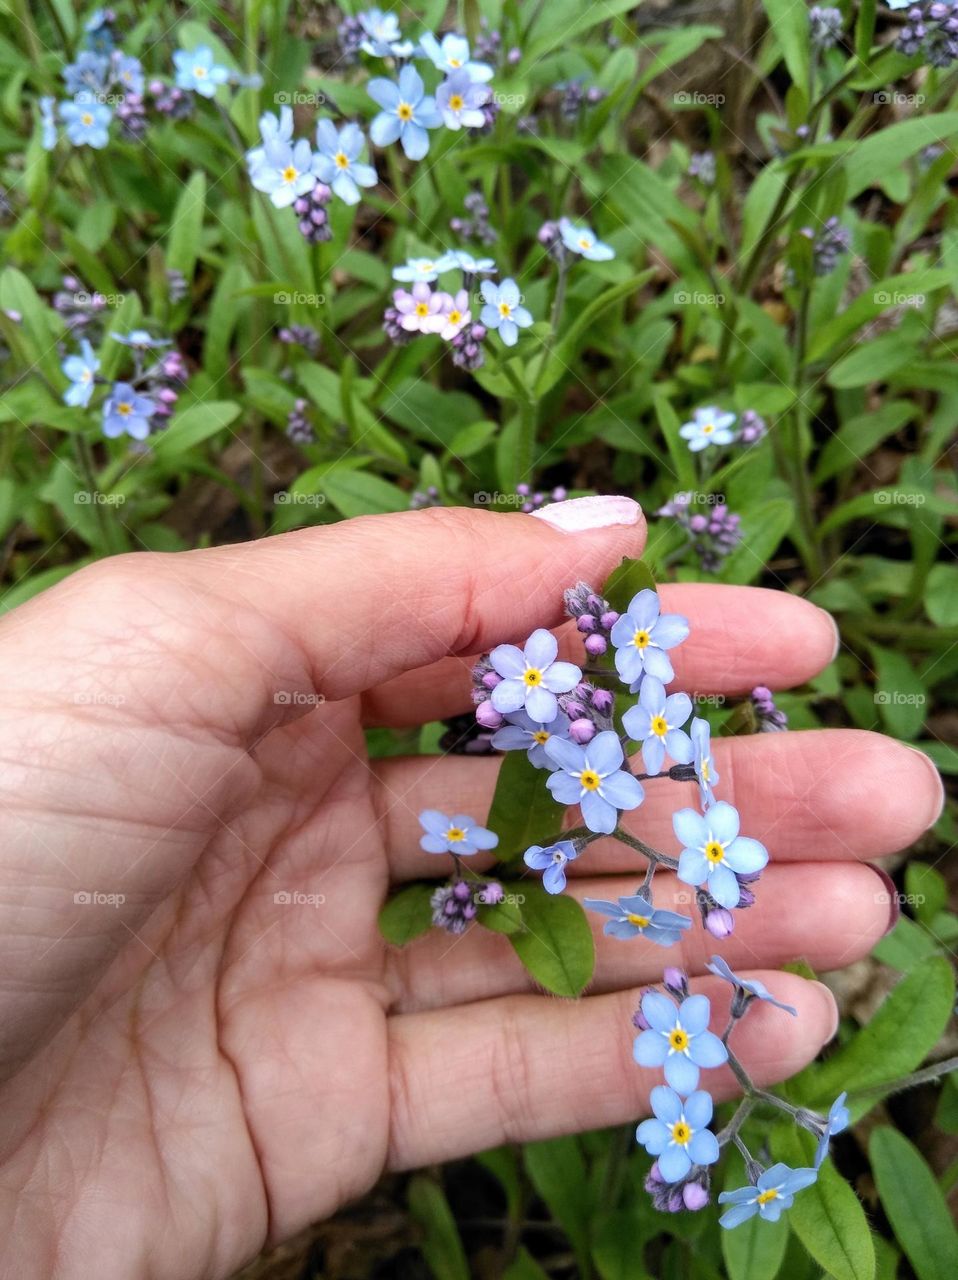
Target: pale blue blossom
column 678, row 1039
column 285, row 172
column 126, row 412
column 457, row 834
column 81, row 371
column 407, row 112
column 460, row 102
column 678, row 1136
column 578, row 238
column 774, row 1191
column 197, row 70
column 86, row 121
column 452, row 54
column 503, row 309
column 337, row 160
column 713, row 851
column 708, row 426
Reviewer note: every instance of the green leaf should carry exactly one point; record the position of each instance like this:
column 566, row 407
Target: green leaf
column 907, row 945
column 193, row 425
column 441, row 1246
column 860, row 436
column 186, row 226
column 564, row 356
column 763, row 528
column 617, row 1239
column 900, row 694
column 871, row 362
column 829, row 1220
column 906, row 1027
column 524, row 1267
column 505, row 916
column 883, row 153
column 754, row 1250
column 625, row 581
column 557, row 1171
column 407, row 914
column 357, row 493
column 38, row 329
column 926, row 890
column 788, row 23
column 555, row 943
column 915, row 1205
column 523, row 811
column 941, row 595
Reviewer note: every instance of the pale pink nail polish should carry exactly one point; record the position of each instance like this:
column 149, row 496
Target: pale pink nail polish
column 579, row 515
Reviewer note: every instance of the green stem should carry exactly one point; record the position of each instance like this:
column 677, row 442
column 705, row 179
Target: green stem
column 654, row 856
column 925, row 1076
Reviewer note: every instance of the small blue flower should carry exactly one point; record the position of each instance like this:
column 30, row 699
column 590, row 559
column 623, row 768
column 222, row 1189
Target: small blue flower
column 89, row 73
column 641, row 637
column 337, row 160
column 503, row 310
column 285, row 172
column 774, row 1191
column 678, row 1136
column 713, row 851
column 128, row 71
column 678, row 1039
column 127, row 412
column 708, row 426
column 634, row 917
column 578, row 238
column 552, row 862
column 196, row 70
column 751, row 986
column 466, row 262
column 522, row 733
column 272, row 128
column 407, row 112
column 48, row 123
column 86, row 121
column 141, row 340
column 452, row 54
column 383, row 36
column 838, row 1120
column 531, row 677
column 460, row 101
column 457, row 834
column 81, row 370
column 425, row 269
column 592, row 777
column 705, row 771
column 656, row 722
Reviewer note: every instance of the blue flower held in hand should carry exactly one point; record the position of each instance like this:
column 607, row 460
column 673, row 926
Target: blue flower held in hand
column 839, row 1118
column 457, row 834
column 592, row 777
column 337, row 162
column 656, row 722
column 86, row 121
column 127, row 412
column 678, row 1039
column 750, row 986
column 705, row 770
column 503, row 310
column 407, row 112
column 522, row 733
column 532, row 677
column 775, row 1190
column 713, row 851
column 678, row 1137
column 552, row 861
column 81, row 370
column 708, row 426
column 642, row 635
column 196, row 70
column 635, row 917
column 578, row 238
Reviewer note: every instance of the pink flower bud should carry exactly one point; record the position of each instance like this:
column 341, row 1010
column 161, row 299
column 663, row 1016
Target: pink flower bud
column 609, row 619
column 695, row 1196
column 595, row 646
column 582, row 731
column 719, row 923
column 586, row 623
column 488, row 716
column 491, row 679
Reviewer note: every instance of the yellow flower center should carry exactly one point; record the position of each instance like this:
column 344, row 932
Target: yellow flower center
column 541, row 736
column 455, row 63
column 342, row 160
column 422, row 309
column 455, row 834
column 765, row 1196
column 706, row 771
column 681, row 1133
column 124, row 408
column 86, row 118
column 199, row 72
column 456, row 102
column 590, row 780
column 715, row 852
column 455, row 317
column 641, row 639
column 659, row 726
column 86, row 375
column 404, row 111
column 708, row 428
column 532, row 677
column 640, row 922
column 505, row 310
column 584, row 242
column 678, row 1040
column 290, row 173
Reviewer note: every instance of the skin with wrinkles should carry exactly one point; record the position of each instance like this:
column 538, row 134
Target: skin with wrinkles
column 215, row 1048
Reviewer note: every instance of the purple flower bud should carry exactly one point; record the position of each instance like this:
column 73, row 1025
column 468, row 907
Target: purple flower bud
column 491, row 679
column 641, row 1023
column 674, row 977
column 698, row 523
column 676, row 1202
column 603, row 701
column 548, row 234
column 608, row 619
column 595, row 646
column 492, row 893
column 513, row 56
column 586, row 623
column 719, row 922
column 694, row 1196
column 461, row 891
column 488, row 716
column 582, row 731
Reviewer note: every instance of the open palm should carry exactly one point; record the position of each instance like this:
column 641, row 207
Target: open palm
column 204, row 1045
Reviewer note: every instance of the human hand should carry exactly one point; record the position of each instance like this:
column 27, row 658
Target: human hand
column 203, row 1057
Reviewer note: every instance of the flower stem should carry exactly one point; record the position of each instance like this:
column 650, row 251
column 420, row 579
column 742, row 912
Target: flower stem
column 654, row 855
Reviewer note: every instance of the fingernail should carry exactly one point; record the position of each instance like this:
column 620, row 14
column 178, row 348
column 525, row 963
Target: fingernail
column 939, row 784
column 894, row 901
column 833, row 1009
column 838, row 635
column 577, row 515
